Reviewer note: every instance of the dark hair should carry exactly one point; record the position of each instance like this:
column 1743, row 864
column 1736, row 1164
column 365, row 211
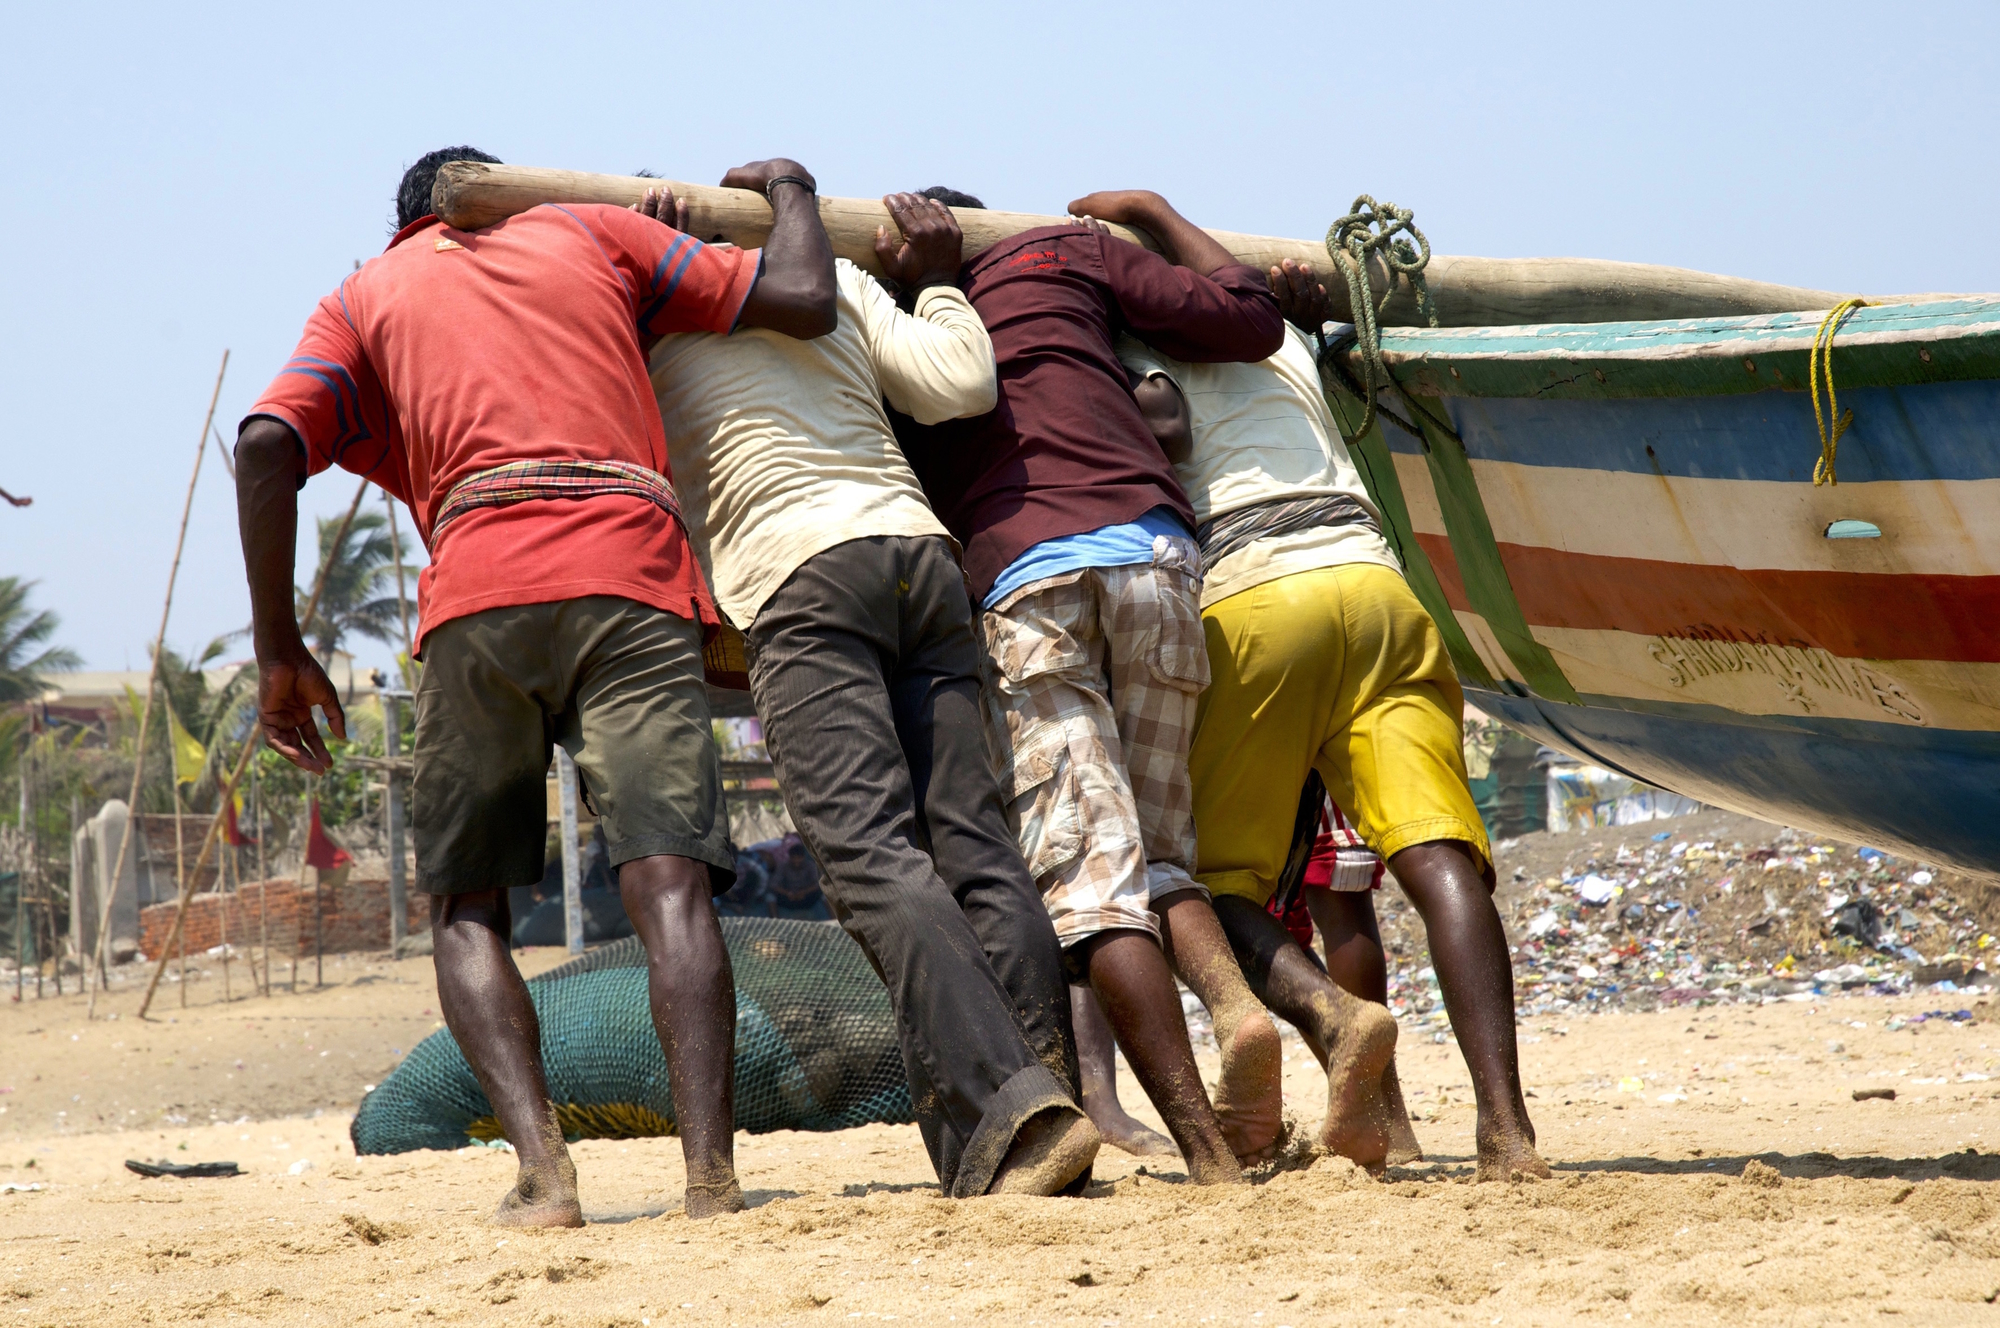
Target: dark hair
column 413, row 195
column 951, row 197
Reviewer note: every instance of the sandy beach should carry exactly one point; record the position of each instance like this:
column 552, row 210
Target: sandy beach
column 1711, row 1165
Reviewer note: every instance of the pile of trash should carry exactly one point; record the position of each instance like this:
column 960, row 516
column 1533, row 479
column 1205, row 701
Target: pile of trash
column 1711, row 908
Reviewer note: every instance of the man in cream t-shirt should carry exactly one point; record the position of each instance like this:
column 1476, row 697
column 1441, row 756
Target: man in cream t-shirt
column 1322, row 659
column 862, row 664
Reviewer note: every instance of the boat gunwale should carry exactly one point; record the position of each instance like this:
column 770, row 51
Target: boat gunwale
column 1958, row 340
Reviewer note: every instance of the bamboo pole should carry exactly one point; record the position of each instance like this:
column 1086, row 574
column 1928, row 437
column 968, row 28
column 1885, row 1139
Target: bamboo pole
column 1468, row 292
column 21, row 876
column 263, row 878
column 409, row 665
column 222, row 916
column 243, row 761
column 146, row 716
column 319, row 899
column 55, row 942
column 180, row 876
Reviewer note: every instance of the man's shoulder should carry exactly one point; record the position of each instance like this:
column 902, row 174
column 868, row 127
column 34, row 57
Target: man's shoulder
column 1043, row 248
column 558, row 223
column 854, row 280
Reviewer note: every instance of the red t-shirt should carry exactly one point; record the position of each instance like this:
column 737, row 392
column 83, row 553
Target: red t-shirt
column 457, row 351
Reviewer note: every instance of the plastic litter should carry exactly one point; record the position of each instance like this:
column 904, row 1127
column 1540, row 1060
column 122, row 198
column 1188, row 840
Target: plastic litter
column 182, row 1170
column 1594, row 889
column 1658, row 919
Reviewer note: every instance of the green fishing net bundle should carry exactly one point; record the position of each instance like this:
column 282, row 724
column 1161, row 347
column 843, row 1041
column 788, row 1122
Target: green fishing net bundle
column 815, row 1048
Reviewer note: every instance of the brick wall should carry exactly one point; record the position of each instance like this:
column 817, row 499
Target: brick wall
column 353, row 915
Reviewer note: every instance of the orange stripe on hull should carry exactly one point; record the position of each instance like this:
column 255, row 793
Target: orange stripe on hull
column 1859, row 615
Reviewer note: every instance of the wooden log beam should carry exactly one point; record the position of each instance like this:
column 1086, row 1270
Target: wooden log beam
column 1469, row 292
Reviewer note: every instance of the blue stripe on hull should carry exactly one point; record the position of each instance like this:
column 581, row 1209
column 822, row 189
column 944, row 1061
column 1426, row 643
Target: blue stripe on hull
column 1930, row 431
column 1928, row 793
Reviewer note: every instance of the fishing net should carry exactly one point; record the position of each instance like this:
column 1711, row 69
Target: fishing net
column 815, row 1048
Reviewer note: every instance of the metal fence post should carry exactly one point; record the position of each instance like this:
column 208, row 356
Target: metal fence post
column 392, row 728
column 572, row 881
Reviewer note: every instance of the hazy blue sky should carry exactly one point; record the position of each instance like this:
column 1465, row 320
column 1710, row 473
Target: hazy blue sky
column 188, row 177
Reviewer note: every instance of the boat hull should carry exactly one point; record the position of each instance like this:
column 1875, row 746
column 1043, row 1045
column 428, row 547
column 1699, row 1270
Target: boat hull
column 1925, row 793
column 1616, row 528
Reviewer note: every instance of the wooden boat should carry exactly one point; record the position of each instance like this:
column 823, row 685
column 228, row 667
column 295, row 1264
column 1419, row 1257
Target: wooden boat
column 1617, row 528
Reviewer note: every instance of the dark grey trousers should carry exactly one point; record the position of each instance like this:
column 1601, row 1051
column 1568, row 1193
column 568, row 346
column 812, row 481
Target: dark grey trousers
column 866, row 676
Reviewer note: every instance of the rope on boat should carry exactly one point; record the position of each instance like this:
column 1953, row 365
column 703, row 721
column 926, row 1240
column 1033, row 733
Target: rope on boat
column 1820, row 369
column 1377, row 228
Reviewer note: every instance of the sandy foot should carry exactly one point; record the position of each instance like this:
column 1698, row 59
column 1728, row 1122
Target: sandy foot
column 541, row 1200
column 1249, row 1094
column 1358, row 1114
column 1509, row 1155
column 713, row 1200
column 1129, row 1136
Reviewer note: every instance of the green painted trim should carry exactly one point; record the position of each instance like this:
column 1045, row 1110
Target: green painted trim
column 1487, row 586
column 1879, row 346
column 1378, row 473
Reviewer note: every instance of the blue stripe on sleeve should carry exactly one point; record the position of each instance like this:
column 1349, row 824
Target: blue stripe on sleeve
column 674, row 282
column 659, row 268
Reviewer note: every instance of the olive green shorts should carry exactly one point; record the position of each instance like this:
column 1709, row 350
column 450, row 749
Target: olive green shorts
column 618, row 684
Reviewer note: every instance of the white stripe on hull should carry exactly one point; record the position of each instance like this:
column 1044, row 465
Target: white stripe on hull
column 1935, row 527
column 1755, row 679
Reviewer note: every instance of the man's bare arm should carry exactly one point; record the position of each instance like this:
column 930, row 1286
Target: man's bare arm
column 1184, row 242
column 795, row 293
column 290, row 681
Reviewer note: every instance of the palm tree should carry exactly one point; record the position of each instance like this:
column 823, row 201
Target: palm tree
column 360, row 593
column 22, row 630
column 215, row 716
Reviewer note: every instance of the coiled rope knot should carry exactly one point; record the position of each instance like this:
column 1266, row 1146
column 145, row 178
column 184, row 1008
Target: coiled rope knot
column 1378, row 229
column 1819, row 368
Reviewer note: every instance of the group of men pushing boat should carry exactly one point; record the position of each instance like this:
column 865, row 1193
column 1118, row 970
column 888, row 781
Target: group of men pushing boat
column 1061, row 601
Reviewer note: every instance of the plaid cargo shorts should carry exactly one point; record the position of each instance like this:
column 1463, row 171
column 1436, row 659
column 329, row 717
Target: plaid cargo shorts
column 1092, row 679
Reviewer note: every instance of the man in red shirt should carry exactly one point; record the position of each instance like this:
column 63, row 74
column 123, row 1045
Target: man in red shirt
column 495, row 380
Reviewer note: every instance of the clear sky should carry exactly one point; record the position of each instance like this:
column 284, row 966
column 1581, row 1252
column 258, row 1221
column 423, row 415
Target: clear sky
column 184, row 178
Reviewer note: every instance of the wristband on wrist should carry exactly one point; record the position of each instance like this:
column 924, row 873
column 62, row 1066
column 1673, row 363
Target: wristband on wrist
column 798, row 180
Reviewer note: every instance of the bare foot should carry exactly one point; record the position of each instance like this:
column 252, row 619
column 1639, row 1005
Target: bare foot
column 1249, row 1096
column 1358, row 1113
column 541, row 1198
column 1049, row 1152
column 1127, row 1135
column 712, row 1200
column 1508, row 1154
column 1403, row 1146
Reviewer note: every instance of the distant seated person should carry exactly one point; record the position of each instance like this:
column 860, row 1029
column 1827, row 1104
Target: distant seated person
column 538, row 908
column 794, row 884
column 776, row 878
column 750, row 897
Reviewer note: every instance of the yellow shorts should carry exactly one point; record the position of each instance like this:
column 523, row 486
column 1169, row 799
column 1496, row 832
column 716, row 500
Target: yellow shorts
column 1339, row 670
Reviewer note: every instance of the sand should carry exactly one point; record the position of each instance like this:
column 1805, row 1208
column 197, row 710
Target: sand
column 1853, row 1210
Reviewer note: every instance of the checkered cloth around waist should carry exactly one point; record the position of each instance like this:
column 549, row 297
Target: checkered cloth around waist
column 520, row 481
column 1235, row 531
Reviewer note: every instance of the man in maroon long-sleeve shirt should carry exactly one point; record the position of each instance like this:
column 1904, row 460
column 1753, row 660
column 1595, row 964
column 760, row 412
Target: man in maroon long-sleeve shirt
column 1079, row 548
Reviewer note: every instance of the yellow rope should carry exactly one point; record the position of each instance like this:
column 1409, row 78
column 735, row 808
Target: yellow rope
column 1820, row 368
column 614, row 1120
